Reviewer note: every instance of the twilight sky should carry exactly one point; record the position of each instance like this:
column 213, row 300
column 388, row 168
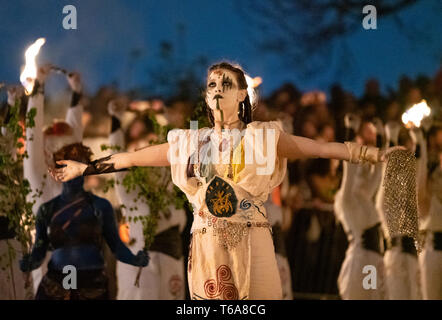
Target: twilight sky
column 109, row 30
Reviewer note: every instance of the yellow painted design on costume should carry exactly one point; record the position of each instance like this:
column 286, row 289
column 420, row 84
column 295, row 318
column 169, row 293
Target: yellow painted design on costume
column 221, row 203
column 237, row 161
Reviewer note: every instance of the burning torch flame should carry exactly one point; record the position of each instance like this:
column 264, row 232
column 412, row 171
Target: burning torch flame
column 416, row 113
column 252, row 83
column 29, row 74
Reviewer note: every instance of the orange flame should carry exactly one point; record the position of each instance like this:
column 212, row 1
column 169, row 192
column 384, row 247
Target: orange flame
column 124, row 232
column 29, row 73
column 256, row 82
column 416, row 114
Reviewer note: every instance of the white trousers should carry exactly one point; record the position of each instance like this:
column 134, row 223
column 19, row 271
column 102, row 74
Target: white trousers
column 402, row 275
column 430, row 262
column 362, row 275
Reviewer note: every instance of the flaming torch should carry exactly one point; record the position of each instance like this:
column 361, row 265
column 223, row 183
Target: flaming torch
column 29, row 74
column 414, row 115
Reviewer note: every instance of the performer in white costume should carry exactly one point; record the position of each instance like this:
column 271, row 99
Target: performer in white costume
column 275, row 217
column 400, row 259
column 163, row 278
column 40, row 147
column 232, row 254
column 355, row 208
column 430, row 259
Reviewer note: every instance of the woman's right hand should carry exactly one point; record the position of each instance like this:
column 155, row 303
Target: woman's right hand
column 70, row 170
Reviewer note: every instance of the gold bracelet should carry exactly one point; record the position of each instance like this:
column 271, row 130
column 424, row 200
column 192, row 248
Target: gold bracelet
column 361, row 153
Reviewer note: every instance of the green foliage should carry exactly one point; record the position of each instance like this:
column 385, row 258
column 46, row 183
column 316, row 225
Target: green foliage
column 14, row 188
column 105, row 147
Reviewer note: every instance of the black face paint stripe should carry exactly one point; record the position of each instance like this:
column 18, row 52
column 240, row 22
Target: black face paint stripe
column 226, row 83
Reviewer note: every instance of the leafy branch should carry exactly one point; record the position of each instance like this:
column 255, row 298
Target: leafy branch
column 15, row 190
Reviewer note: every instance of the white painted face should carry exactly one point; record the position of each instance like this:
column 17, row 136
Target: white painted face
column 222, row 87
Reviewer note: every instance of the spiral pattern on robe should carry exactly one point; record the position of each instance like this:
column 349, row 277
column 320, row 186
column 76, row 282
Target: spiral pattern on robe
column 211, row 288
column 223, row 274
column 214, row 289
column 175, row 284
column 244, row 205
column 230, row 292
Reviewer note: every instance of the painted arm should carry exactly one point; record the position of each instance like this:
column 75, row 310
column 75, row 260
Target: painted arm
column 153, row 156
column 110, row 232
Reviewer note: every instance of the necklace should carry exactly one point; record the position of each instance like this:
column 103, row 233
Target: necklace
column 229, row 124
column 218, row 167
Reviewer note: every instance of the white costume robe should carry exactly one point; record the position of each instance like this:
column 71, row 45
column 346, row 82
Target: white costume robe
column 232, row 254
column 430, row 259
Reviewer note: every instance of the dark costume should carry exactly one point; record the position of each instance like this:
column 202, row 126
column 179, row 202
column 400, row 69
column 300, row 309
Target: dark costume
column 73, row 225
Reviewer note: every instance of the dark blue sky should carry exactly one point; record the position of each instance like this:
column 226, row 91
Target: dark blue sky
column 109, row 30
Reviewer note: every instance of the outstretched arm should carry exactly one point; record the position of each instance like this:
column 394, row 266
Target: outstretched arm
column 295, row 147
column 152, row 156
column 155, row 156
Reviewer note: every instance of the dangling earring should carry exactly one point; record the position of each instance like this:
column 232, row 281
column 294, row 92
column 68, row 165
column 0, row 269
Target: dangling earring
column 241, row 111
